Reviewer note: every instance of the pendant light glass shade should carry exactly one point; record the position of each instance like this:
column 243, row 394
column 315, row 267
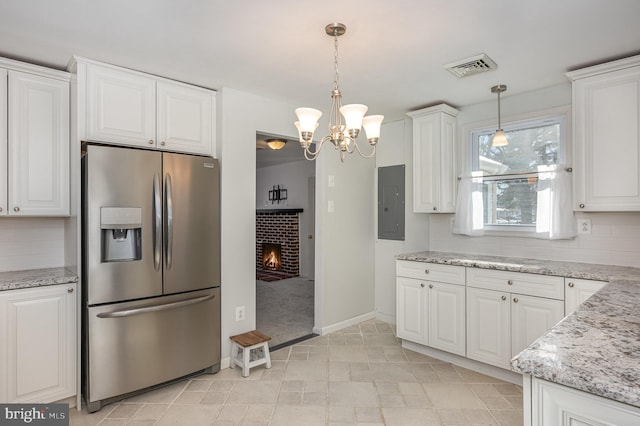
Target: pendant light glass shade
column 353, row 115
column 371, row 126
column 308, row 119
column 499, row 139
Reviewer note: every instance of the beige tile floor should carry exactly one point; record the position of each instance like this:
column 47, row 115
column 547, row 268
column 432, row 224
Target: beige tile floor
column 357, row 376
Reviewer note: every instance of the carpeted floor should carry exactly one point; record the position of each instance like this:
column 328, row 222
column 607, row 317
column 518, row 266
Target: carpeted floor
column 284, row 309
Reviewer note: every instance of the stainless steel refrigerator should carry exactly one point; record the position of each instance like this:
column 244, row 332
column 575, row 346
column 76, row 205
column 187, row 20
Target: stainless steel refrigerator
column 151, row 269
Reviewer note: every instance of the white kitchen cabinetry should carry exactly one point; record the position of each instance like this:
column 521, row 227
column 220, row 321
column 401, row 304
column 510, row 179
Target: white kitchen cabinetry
column 507, row 311
column 556, row 405
column 577, row 291
column 132, row 108
column 431, row 305
column 38, row 344
column 34, row 145
column 606, row 111
column 434, row 159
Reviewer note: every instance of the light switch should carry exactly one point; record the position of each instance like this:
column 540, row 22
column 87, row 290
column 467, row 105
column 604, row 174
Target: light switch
column 331, row 181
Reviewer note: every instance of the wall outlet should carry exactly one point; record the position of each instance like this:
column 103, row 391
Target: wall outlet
column 239, row 313
column 584, row 226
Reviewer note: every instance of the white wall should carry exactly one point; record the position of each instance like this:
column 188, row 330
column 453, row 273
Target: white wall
column 344, row 244
column 31, row 243
column 614, row 238
column 396, row 148
column 294, row 177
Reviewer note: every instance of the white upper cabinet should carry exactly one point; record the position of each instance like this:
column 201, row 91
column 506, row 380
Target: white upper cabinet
column 121, row 107
column 606, row 109
column 132, row 108
column 434, row 159
column 184, row 118
column 34, row 145
column 3, row 142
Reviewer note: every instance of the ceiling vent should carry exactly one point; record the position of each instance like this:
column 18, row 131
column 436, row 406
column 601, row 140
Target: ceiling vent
column 471, row 66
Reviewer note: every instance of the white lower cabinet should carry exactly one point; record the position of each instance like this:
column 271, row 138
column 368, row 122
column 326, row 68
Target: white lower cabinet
column 577, row 291
column 488, row 326
column 431, row 313
column 507, row 311
column 38, row 344
column 556, row 405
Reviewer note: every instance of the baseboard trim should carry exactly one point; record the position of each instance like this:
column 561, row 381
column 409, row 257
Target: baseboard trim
column 480, row 367
column 344, row 324
column 391, row 319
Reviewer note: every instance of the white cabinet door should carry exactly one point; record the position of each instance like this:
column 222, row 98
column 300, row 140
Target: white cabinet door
column 121, row 107
column 447, row 317
column 555, row 405
column 185, row 118
column 3, row 142
column 577, row 291
column 38, row 344
column 434, row 159
column 532, row 317
column 38, row 143
column 488, row 327
column 606, row 106
column 411, row 310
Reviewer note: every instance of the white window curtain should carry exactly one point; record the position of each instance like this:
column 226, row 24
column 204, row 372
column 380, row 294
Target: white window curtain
column 555, row 207
column 469, row 209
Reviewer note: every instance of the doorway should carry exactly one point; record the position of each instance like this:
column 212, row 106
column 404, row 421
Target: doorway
column 285, row 217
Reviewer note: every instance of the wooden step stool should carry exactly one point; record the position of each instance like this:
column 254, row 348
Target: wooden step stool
column 247, row 342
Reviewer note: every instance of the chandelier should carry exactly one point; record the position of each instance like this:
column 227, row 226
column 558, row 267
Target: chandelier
column 341, row 134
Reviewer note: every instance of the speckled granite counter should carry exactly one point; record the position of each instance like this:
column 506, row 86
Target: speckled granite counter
column 597, row 348
column 36, row 278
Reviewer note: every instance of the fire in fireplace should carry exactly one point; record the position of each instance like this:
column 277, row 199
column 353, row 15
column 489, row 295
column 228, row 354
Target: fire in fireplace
column 271, row 257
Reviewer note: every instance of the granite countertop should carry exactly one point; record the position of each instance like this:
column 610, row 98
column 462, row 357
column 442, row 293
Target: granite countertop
column 13, row 280
column 597, row 348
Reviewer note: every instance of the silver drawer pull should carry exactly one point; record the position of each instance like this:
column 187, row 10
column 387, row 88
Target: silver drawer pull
column 70, row 290
column 156, row 308
column 426, row 271
column 422, row 285
column 430, row 285
column 504, row 297
column 510, row 282
column 515, row 300
column 570, row 285
column 150, row 141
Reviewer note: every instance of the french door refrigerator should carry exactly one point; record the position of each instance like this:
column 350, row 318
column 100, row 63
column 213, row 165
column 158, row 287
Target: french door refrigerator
column 151, row 269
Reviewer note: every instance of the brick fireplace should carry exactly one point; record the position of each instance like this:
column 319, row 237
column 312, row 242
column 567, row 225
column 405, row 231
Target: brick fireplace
column 279, row 227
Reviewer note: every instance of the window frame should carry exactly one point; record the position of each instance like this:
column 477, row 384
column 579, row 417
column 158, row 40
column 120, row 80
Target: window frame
column 471, row 132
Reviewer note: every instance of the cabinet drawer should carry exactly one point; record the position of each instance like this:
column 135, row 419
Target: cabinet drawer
column 431, row 271
column 516, row 282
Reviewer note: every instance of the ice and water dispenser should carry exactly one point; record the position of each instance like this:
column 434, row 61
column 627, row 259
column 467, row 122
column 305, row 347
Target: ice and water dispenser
column 121, row 233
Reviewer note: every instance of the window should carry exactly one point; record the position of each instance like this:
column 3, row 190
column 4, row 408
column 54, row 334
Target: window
column 510, row 173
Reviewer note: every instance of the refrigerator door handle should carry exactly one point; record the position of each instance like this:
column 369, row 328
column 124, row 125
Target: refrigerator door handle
column 169, row 216
column 157, row 222
column 156, row 308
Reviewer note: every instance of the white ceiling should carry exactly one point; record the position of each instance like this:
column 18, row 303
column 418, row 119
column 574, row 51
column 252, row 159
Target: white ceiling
column 391, row 57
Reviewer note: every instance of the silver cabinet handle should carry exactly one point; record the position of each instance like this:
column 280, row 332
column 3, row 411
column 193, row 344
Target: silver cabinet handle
column 510, row 282
column 435, row 208
column 70, row 290
column 570, row 285
column 430, row 285
column 515, row 300
column 426, row 271
column 150, row 141
column 16, row 209
column 162, row 143
column 156, row 308
column 0, row 209
column 157, row 222
column 504, row 297
column 422, row 285
column 169, row 218
column 581, row 206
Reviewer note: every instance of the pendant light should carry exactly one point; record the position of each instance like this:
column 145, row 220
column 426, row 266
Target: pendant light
column 341, row 134
column 499, row 138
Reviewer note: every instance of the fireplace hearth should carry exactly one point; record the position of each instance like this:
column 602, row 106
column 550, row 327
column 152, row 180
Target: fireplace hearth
column 279, row 227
